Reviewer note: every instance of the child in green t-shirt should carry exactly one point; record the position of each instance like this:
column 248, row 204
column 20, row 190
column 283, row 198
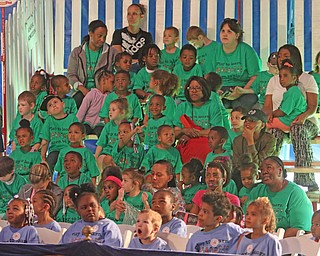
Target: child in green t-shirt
column 187, row 68
column 61, row 86
column 23, row 157
column 191, row 174
column 68, row 212
column 123, row 61
column 170, row 54
column 10, row 183
column 72, row 165
column 37, row 86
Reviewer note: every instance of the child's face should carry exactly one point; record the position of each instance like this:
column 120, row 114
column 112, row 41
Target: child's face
column 195, row 91
column 156, row 107
column 166, row 137
column 15, row 213
column 254, row 218
column 160, row 176
column 152, row 59
column 315, row 225
column 248, row 178
column 127, row 183
column 107, row 83
column 124, row 63
column 63, row 88
column 122, row 82
column 72, row 164
column 38, row 204
column 67, row 200
column 36, row 85
column 146, row 231
column 215, row 141
column 207, row 218
column 7, row 177
column 197, row 43
column 110, row 190
column 187, row 59
column 169, row 37
column 123, row 130
column 88, row 208
column 75, row 135
column 153, row 83
column 24, row 107
column 286, row 78
column 235, row 119
column 114, row 112
column 187, row 177
column 214, row 178
column 55, row 107
column 161, row 203
column 24, row 137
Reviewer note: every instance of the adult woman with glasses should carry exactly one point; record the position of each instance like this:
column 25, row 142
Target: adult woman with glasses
column 87, row 59
column 236, row 62
column 290, row 203
column 304, row 127
column 194, row 118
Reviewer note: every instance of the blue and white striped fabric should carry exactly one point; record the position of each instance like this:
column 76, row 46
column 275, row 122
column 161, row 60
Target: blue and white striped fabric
column 267, row 24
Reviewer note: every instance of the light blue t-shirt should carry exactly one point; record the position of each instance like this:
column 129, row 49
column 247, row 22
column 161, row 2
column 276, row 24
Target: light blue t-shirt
column 27, row 234
column 53, row 225
column 157, row 244
column 175, row 226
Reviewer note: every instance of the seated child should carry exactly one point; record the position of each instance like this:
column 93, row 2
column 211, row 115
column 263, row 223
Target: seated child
column 163, row 202
column 315, row 226
column 76, row 135
column 26, row 104
column 37, row 86
column 261, row 219
column 86, row 202
column 10, row 183
column 170, row 54
column 108, row 171
column 147, row 228
column 72, row 165
column 215, row 236
column 191, row 173
column 61, row 87
column 44, row 202
column 19, row 215
column 55, row 129
column 123, row 61
column 217, row 137
column 127, row 152
column 23, row 156
column 92, row 103
column 67, row 213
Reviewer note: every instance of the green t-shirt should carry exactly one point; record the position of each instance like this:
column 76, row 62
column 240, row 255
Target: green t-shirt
column 35, row 124
column 170, row 110
column 259, row 85
column 205, row 54
column 55, row 131
column 39, row 100
column 292, row 207
column 184, row 76
column 89, row 163
column 70, row 216
column 106, row 208
column 189, row 192
column 244, row 192
column 65, row 180
column 212, row 156
column 169, row 60
column 154, row 154
column 231, row 188
column 293, row 104
column 133, row 101
column 142, row 80
column 7, row 192
column 70, row 106
column 216, row 100
column 316, row 77
column 235, row 68
column 108, row 137
column 229, row 142
column 151, row 136
column 128, row 157
column 23, row 161
column 92, row 59
column 205, row 116
column 136, row 201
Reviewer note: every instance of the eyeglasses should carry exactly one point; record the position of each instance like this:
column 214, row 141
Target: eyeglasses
column 199, row 88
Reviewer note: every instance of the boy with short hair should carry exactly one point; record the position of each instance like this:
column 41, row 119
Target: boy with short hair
column 147, row 228
column 163, row 202
column 61, row 86
column 170, row 54
column 10, row 183
column 205, row 47
column 26, row 104
column 55, row 129
column 215, row 236
column 164, row 150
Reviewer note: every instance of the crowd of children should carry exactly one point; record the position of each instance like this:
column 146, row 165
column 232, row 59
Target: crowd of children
column 143, row 178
